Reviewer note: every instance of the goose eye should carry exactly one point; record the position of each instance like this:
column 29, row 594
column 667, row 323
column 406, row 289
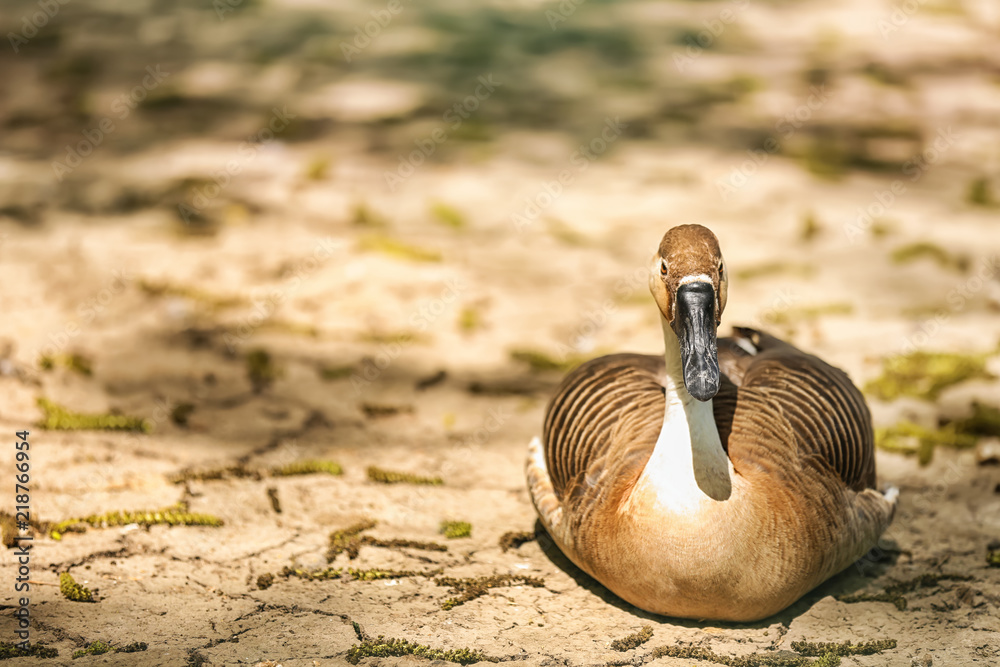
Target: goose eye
column 663, row 267
column 722, row 270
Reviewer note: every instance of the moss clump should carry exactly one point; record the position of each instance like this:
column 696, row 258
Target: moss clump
column 980, row 193
column 810, row 313
column 377, row 410
column 213, row 301
column 265, row 581
column 398, row 249
column 383, row 647
column 181, row 412
column 335, row 372
column 817, row 649
column 811, row 228
column 401, row 544
column 633, row 640
column 58, row 418
column 72, row 590
column 456, row 529
column 375, row 574
column 9, row 650
column 365, row 217
column 776, row 269
column 308, row 467
column 993, row 558
column 171, row 516
column 315, row 575
column 381, row 476
column 910, row 438
column 540, row 361
column 261, row 369
column 894, row 592
column 94, row 648
column 471, row 588
column 985, row 421
column 469, row 319
column 914, row 251
column 777, row 659
column 348, row 539
column 74, row 362
column 213, row 474
column 926, row 374
column 514, row 539
column 448, row 216
column 134, row 647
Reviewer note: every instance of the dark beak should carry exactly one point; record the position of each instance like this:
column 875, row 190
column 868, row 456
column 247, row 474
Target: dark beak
column 694, row 324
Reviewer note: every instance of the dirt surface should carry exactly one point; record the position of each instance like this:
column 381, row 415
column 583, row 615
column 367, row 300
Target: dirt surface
column 369, row 280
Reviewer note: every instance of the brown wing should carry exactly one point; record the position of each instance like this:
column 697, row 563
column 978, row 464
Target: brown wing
column 793, row 405
column 596, row 402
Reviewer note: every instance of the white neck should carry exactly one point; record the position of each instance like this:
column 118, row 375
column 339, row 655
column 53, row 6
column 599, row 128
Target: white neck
column 688, row 465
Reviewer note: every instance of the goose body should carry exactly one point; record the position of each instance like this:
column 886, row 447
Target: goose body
column 723, row 480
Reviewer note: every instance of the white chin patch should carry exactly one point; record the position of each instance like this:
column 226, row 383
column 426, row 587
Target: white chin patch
column 700, row 278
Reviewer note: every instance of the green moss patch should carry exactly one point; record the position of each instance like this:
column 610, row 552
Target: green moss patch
column 72, row 590
column 394, row 543
column 381, row 476
column 212, row 301
column 74, row 362
column 383, row 647
column 540, row 361
column 308, row 467
column 171, row 516
column 9, row 650
column 924, row 250
column 909, row 438
column 261, row 369
column 633, row 640
column 58, row 418
column 348, row 540
column 449, row 216
column 846, row 648
column 398, row 249
column 466, row 590
column 926, row 374
column 311, row 575
column 771, row 269
column 455, row 529
column 376, row 574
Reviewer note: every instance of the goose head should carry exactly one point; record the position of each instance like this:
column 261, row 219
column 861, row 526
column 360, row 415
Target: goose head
column 689, row 282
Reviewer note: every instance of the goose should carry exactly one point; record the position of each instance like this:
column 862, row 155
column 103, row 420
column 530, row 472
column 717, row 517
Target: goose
column 721, row 481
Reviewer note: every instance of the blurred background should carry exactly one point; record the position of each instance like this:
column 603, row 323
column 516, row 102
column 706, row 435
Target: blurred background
column 243, row 234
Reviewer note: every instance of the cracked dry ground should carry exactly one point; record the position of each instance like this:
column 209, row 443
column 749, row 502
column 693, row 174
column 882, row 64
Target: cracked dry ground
column 191, row 593
column 307, row 257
